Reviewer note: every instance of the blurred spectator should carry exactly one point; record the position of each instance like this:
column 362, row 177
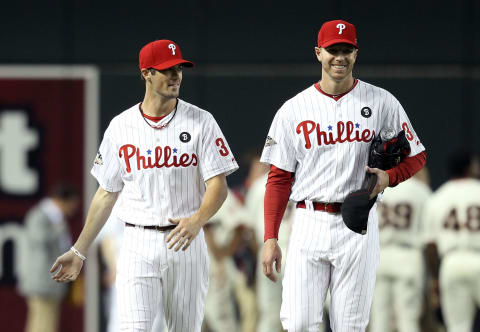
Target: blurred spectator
column 223, row 234
column 452, row 218
column 398, row 297
column 46, row 237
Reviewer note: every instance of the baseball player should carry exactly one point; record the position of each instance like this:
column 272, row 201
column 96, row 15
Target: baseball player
column 400, row 280
column 452, row 217
column 169, row 158
column 318, row 146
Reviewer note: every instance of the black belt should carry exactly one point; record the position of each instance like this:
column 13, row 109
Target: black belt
column 157, row 228
column 321, row 206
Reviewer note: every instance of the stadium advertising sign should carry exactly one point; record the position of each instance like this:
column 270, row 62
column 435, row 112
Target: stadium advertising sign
column 48, row 133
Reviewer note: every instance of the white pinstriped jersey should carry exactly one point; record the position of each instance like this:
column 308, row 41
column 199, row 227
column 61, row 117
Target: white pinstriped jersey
column 326, row 142
column 161, row 172
column 400, row 214
column 452, row 216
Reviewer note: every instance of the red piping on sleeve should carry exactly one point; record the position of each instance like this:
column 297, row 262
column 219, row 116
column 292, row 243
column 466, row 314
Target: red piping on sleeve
column 406, row 169
column 277, row 192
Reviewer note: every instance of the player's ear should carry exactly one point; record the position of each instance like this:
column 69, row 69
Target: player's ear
column 318, row 53
column 145, row 73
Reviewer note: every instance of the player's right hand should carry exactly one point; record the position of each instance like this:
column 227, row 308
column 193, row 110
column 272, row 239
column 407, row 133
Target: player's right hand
column 70, row 266
column 382, row 180
column 271, row 253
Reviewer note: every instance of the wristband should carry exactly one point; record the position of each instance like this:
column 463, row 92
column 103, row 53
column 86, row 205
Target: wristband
column 76, row 252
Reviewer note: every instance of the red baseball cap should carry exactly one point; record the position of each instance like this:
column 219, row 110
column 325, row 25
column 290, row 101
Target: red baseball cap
column 161, row 54
column 335, row 32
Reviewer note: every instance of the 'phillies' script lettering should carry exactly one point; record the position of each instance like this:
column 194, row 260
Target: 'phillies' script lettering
column 345, row 133
column 163, row 158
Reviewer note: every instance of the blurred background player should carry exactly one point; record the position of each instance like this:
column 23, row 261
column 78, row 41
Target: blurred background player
column 46, row 236
column 269, row 294
column 398, row 296
column 452, row 219
column 245, row 256
column 110, row 239
column 224, row 236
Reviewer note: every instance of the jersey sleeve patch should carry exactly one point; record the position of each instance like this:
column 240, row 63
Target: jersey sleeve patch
column 270, row 141
column 106, row 165
column 279, row 149
column 98, row 159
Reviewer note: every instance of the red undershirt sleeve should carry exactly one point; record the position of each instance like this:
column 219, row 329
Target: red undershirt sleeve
column 407, row 168
column 277, row 192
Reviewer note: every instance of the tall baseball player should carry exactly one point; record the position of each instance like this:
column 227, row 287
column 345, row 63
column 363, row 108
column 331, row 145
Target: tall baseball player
column 169, row 158
column 400, row 280
column 452, row 217
column 318, row 146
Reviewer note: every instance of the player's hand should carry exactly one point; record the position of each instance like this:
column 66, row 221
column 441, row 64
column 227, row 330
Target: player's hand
column 382, row 182
column 271, row 253
column 70, row 266
column 184, row 233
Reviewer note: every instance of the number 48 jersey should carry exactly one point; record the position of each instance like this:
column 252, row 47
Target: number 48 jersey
column 400, row 211
column 452, row 216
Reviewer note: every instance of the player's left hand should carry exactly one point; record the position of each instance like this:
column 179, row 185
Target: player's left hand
column 184, row 233
column 382, row 182
column 271, row 253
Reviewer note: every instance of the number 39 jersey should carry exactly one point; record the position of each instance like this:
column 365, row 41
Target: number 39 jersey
column 326, row 141
column 400, row 214
column 452, row 216
column 161, row 172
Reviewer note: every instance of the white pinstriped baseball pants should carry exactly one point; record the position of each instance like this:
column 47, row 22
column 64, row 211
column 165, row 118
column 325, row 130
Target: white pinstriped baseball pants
column 324, row 253
column 149, row 275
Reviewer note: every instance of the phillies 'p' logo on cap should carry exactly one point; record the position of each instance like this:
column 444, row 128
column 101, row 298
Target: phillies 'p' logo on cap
column 340, row 27
column 335, row 32
column 161, row 54
column 172, row 47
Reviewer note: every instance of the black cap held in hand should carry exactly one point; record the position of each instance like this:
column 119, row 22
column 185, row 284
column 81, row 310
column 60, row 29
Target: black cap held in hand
column 357, row 205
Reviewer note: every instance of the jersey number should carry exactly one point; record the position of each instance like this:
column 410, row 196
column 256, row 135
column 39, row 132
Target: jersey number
column 472, row 223
column 398, row 216
column 408, row 133
column 223, row 149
